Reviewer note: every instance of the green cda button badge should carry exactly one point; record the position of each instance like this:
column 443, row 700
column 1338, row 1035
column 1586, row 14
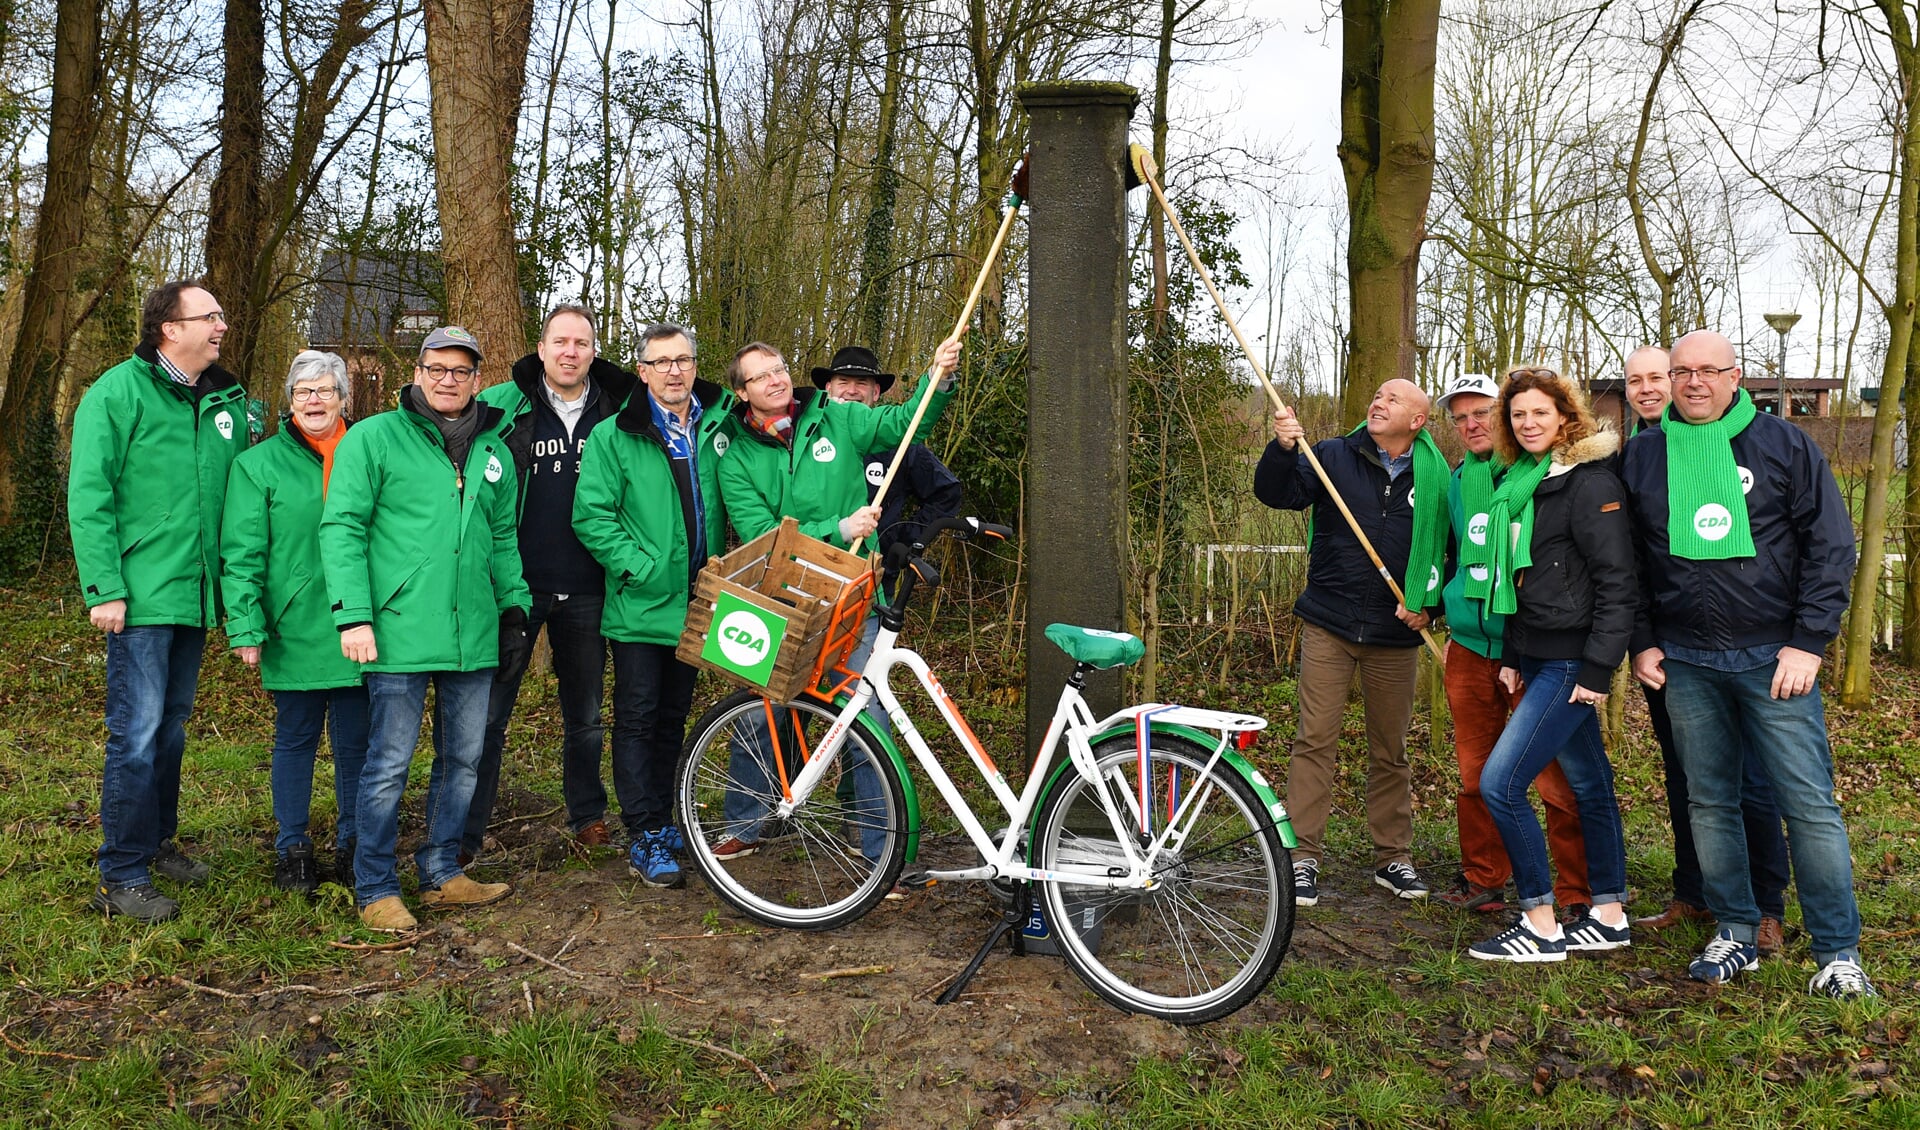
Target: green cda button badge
column 744, row 639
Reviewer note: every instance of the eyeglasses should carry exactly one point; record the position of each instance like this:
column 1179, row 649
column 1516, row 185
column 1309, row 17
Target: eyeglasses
column 442, row 374
column 1478, row 416
column 1705, row 373
column 302, row 395
column 1524, row 372
column 669, row 364
column 212, row 317
column 776, row 371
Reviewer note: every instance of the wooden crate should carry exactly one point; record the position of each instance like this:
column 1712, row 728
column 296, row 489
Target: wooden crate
column 823, row 594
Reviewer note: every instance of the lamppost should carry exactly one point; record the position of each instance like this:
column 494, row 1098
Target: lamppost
column 1781, row 323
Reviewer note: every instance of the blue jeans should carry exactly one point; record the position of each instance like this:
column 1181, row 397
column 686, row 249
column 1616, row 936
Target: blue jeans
column 1715, row 715
column 652, row 694
column 1546, row 727
column 396, row 703
column 1766, row 847
column 152, row 673
column 580, row 668
column 298, row 718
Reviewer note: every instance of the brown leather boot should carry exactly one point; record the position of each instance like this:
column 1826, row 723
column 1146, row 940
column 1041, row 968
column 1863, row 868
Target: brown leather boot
column 594, row 835
column 1675, row 913
column 1771, row 936
column 388, row 915
column 461, row 891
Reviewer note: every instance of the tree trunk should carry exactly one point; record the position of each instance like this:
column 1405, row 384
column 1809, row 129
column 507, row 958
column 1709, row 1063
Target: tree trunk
column 476, row 69
column 876, row 255
column 1386, row 154
column 1663, row 280
column 1910, row 506
column 237, row 204
column 30, row 493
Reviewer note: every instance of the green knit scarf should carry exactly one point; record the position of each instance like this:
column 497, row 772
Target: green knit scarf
column 1508, row 546
column 1477, row 474
column 1706, row 507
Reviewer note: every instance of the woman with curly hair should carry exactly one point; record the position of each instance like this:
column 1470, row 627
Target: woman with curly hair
column 1560, row 566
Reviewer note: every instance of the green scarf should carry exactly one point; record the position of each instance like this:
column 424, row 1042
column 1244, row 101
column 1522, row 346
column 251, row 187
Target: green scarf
column 1477, row 473
column 1706, row 507
column 1428, row 549
column 1509, row 544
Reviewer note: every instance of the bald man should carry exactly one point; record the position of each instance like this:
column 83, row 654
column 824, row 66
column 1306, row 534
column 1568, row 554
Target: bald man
column 1393, row 477
column 1748, row 552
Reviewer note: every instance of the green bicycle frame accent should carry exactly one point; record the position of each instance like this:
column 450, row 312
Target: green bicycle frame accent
column 908, row 789
column 1205, row 740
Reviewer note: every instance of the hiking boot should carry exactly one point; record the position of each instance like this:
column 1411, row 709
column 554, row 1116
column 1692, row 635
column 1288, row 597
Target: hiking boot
column 388, row 916
column 1771, row 936
column 593, row 835
column 460, row 891
column 1520, row 944
column 733, row 847
column 1843, row 980
column 296, row 871
column 138, row 901
column 1675, row 913
column 172, row 863
column 1402, row 880
column 1723, row 958
column 1590, row 935
column 651, row 861
column 1306, row 882
column 676, row 843
column 1465, row 894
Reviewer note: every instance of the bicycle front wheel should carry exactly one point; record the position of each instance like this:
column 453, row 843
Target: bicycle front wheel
column 838, row 854
column 1208, row 936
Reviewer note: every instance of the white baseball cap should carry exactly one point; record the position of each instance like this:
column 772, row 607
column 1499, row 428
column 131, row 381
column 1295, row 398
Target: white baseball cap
column 1468, row 382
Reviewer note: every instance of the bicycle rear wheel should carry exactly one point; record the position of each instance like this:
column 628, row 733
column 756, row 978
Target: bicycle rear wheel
column 1209, row 935
column 827, row 864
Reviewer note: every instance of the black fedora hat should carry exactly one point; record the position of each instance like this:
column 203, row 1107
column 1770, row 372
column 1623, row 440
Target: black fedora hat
column 853, row 361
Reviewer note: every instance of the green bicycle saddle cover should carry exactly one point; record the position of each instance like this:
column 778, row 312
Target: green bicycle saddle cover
column 1095, row 647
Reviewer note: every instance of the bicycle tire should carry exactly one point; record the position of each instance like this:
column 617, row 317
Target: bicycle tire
column 1210, row 935
column 808, row 873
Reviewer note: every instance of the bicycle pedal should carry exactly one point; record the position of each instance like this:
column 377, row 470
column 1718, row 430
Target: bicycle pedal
column 917, row 881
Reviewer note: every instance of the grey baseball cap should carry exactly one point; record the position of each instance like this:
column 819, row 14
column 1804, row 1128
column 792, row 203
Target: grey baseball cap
column 452, row 337
column 1478, row 383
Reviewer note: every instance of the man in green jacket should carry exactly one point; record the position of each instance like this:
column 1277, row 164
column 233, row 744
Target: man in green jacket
column 804, row 456
column 423, row 574
column 152, row 441
column 648, row 508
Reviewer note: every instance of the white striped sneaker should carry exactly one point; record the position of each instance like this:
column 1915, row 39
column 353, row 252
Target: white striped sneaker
column 1590, row 934
column 1520, row 943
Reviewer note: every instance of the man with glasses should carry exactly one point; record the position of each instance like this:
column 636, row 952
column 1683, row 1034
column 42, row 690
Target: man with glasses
column 1748, row 552
column 649, row 511
column 558, row 395
column 153, row 439
column 1475, row 698
column 423, row 573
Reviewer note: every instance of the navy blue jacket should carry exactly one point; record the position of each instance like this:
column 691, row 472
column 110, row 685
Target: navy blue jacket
column 1795, row 587
column 923, row 478
column 1345, row 594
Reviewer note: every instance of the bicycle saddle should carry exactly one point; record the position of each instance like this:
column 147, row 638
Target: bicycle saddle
column 1096, row 648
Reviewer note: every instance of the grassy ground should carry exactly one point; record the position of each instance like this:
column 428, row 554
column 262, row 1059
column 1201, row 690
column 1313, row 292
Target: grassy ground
column 1377, row 1021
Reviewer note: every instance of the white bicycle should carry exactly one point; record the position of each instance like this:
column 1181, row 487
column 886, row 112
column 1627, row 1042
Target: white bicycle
column 1160, row 854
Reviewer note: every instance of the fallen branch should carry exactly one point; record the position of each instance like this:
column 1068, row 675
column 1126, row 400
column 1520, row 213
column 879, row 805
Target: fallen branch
column 8, row 1040
column 705, row 936
column 728, row 1053
column 526, row 990
column 407, row 942
column 548, row 962
column 851, row 971
column 310, row 990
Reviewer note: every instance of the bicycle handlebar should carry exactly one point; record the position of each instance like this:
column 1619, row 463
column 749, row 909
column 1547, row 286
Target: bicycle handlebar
column 910, row 569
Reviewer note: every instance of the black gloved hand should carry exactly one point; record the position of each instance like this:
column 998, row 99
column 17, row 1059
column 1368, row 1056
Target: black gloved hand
column 516, row 646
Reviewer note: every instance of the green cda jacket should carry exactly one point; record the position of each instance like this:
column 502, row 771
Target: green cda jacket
column 271, row 577
column 821, row 477
column 425, row 552
column 633, row 508
column 147, row 481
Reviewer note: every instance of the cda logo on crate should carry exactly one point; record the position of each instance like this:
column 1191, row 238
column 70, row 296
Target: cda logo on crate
column 744, row 638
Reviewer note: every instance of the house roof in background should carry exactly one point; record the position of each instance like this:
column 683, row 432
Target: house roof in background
column 372, row 300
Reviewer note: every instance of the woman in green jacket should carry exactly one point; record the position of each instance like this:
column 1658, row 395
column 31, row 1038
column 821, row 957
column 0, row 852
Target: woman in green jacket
column 278, row 619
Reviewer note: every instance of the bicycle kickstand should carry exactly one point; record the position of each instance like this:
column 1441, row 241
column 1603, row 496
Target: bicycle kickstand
column 1013, row 921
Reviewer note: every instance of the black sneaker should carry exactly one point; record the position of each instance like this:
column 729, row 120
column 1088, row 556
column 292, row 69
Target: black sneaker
column 295, row 870
column 1589, row 934
column 139, row 901
column 172, row 863
column 1402, row 880
column 1725, row 958
column 343, row 864
column 1519, row 943
column 1306, row 882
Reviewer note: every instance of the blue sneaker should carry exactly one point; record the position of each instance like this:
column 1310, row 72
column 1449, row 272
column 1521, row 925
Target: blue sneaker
column 651, row 861
column 676, row 843
column 1519, row 943
column 1723, row 958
